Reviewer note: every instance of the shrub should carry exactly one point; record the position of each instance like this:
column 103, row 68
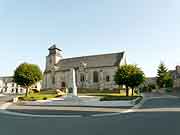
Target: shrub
column 168, row 90
column 58, row 96
column 111, row 98
column 44, row 98
column 152, row 86
column 35, row 91
column 21, row 98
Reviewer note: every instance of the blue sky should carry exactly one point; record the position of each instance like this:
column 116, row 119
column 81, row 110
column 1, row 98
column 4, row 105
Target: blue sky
column 148, row 30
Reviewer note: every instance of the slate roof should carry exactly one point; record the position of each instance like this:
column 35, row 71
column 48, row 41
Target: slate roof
column 103, row 60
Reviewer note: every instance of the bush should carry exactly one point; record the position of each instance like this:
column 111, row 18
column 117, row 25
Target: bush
column 21, row 98
column 112, row 98
column 32, row 99
column 148, row 88
column 152, row 86
column 58, row 96
column 88, row 90
column 35, row 91
column 144, row 89
column 44, row 98
column 168, row 90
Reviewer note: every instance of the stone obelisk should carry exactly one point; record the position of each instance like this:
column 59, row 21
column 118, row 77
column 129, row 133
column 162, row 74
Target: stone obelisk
column 73, row 82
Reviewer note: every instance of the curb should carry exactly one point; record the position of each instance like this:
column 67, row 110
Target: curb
column 5, row 111
column 5, row 106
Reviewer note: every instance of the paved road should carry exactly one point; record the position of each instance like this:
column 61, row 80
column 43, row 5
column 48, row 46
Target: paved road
column 137, row 123
column 162, row 103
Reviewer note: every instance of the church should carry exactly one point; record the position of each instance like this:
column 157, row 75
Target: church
column 92, row 72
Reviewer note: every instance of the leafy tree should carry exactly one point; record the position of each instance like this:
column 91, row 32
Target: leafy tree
column 27, row 75
column 136, row 77
column 130, row 76
column 168, row 81
column 164, row 78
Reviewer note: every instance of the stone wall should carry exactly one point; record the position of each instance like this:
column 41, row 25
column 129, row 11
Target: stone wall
column 62, row 78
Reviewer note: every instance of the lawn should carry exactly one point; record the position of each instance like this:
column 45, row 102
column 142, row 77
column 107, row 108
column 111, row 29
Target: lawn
column 112, row 96
column 43, row 95
column 123, row 93
column 49, row 94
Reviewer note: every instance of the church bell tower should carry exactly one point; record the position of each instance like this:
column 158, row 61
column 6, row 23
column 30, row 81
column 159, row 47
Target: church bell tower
column 54, row 56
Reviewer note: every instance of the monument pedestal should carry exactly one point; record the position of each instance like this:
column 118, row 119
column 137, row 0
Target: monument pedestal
column 72, row 90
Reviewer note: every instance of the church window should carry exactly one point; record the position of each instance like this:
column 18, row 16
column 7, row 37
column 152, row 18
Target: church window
column 95, row 77
column 107, row 78
column 82, row 77
column 53, row 80
column 63, row 84
column 16, row 90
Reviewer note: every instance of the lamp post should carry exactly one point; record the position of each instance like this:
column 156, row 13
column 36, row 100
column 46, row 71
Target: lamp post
column 84, row 65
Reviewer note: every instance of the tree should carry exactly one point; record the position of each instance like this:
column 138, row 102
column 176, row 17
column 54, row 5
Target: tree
column 130, row 76
column 136, row 78
column 168, row 81
column 164, row 78
column 27, row 75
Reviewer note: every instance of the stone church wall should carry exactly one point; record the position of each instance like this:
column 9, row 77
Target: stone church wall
column 61, row 79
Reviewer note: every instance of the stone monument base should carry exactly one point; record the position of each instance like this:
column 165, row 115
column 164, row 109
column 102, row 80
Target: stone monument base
column 72, row 98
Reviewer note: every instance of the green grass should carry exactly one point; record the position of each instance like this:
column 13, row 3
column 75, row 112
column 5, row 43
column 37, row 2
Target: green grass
column 112, row 96
column 106, row 94
column 43, row 95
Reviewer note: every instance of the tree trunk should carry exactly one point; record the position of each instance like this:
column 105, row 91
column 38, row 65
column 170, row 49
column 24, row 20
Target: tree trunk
column 132, row 91
column 119, row 89
column 27, row 91
column 127, row 91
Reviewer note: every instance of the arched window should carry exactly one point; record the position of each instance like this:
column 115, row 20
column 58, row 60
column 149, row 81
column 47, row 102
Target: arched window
column 82, row 77
column 95, row 77
column 107, row 78
column 53, row 80
column 63, row 84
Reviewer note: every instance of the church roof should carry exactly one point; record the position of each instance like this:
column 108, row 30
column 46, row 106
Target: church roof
column 103, row 60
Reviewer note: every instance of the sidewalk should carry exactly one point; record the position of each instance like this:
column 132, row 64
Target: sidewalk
column 93, row 102
column 60, row 108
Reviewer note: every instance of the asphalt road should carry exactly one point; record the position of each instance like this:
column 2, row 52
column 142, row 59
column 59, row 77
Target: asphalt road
column 136, row 123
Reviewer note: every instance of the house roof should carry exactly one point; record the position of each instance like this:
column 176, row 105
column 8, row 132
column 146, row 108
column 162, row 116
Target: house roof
column 103, row 60
column 6, row 78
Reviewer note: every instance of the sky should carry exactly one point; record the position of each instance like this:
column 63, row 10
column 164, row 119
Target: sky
column 147, row 30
